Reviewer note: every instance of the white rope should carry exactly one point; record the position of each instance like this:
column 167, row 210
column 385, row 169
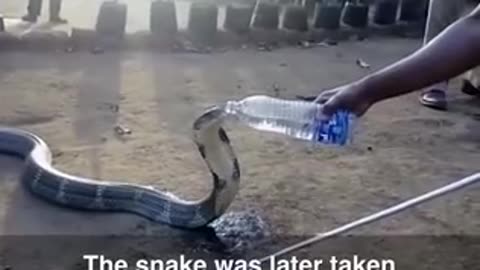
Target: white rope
column 463, row 183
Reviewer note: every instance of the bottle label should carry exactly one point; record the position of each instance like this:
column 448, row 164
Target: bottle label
column 334, row 130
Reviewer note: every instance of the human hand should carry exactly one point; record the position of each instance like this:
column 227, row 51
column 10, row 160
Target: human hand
column 351, row 98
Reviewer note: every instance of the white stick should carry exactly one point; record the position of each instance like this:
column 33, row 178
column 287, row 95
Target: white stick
column 382, row 214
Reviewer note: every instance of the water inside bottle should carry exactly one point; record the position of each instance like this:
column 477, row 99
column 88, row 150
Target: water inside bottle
column 289, row 128
column 297, row 119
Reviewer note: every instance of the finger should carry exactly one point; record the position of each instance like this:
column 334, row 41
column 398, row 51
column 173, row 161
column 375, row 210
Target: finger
column 325, row 96
column 321, row 99
column 329, row 107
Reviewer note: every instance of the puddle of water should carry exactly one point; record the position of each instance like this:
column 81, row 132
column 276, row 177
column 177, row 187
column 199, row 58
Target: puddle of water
column 241, row 231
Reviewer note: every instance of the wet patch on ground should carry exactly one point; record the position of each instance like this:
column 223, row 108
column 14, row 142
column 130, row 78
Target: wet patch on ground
column 240, row 231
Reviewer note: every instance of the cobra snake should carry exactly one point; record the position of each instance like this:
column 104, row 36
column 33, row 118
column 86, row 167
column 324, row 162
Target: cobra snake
column 43, row 180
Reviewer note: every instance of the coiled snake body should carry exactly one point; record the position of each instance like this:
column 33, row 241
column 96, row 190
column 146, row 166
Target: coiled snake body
column 42, row 179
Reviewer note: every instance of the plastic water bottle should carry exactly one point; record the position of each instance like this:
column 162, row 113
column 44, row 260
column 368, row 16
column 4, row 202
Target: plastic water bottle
column 298, row 119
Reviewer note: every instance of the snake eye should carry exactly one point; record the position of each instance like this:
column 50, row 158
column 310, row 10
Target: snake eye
column 212, row 113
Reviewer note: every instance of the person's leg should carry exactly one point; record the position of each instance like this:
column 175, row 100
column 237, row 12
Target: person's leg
column 33, row 10
column 441, row 13
column 55, row 6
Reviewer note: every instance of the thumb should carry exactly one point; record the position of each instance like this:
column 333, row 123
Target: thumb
column 325, row 96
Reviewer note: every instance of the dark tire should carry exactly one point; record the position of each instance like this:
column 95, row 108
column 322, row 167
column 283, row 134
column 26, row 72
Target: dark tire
column 356, row 15
column 412, row 10
column 237, row 18
column 112, row 19
column 386, row 12
column 310, row 7
column 327, row 16
column 266, row 16
column 202, row 23
column 296, row 18
column 163, row 18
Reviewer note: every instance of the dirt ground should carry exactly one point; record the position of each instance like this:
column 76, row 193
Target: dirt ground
column 401, row 149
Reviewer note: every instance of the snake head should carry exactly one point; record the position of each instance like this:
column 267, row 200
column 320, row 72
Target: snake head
column 211, row 115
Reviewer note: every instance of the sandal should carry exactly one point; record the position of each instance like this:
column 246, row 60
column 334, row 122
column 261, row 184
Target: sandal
column 469, row 89
column 435, row 99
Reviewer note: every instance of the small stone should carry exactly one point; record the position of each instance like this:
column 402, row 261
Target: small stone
column 305, row 44
column 120, row 130
column 361, row 38
column 322, row 44
column 264, row 47
column 370, row 148
column 276, row 89
column 283, row 64
column 114, row 108
column 188, row 47
column 362, row 64
column 97, row 50
column 332, row 42
column 207, row 50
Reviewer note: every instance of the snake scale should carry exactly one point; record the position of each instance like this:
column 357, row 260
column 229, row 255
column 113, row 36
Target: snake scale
column 43, row 180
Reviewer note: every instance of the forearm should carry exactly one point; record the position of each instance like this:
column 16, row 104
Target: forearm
column 453, row 52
